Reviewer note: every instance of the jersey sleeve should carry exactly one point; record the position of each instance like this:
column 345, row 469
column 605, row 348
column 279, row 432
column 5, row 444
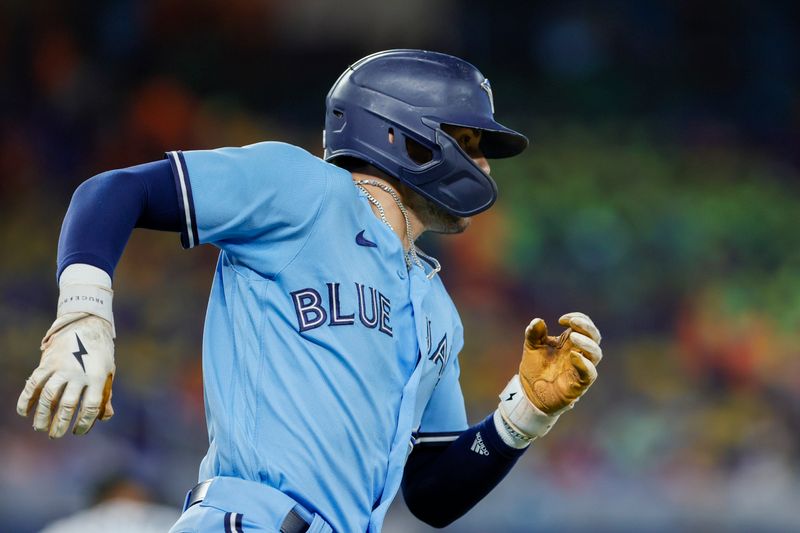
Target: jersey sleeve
column 445, row 416
column 241, row 199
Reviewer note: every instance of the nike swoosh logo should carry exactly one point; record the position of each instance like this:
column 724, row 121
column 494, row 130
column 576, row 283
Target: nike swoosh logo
column 363, row 241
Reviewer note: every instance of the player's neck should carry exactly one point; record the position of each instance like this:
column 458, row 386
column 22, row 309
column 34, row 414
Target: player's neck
column 391, row 210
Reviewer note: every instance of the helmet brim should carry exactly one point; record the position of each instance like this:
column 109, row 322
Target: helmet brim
column 497, row 141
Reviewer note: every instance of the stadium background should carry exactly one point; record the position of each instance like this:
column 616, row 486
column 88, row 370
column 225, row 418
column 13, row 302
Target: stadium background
column 660, row 196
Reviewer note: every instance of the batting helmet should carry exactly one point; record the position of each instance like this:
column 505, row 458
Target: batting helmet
column 389, row 99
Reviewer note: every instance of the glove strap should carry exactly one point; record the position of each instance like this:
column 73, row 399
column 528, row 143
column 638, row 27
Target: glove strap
column 522, row 417
column 86, row 289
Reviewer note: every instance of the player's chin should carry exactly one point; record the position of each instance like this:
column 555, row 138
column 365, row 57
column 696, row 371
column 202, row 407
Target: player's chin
column 435, row 218
column 451, row 224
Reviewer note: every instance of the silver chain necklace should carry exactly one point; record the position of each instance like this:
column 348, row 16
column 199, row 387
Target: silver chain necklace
column 412, row 256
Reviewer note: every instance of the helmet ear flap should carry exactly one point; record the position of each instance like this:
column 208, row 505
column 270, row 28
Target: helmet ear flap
column 417, row 152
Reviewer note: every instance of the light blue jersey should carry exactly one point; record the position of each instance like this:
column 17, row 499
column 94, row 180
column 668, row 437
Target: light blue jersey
column 323, row 356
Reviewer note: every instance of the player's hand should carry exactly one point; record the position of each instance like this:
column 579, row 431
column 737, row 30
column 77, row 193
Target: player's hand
column 77, row 364
column 556, row 371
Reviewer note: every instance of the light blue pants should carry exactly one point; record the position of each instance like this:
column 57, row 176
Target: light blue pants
column 234, row 505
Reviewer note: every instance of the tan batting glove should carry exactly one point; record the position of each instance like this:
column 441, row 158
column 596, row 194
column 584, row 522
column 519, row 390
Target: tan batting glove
column 556, row 371
column 77, row 363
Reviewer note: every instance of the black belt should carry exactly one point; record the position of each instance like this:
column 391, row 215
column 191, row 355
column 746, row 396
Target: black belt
column 293, row 523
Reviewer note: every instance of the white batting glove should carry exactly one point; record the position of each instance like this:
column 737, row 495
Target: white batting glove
column 77, row 360
column 77, row 363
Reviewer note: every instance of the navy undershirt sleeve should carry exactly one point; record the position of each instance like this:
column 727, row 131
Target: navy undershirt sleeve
column 441, row 483
column 105, row 209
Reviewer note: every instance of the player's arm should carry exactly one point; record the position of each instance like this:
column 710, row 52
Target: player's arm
column 443, row 480
column 77, row 363
column 257, row 203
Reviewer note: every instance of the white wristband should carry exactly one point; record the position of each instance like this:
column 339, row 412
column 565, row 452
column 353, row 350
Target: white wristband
column 85, row 289
column 507, row 433
column 520, row 414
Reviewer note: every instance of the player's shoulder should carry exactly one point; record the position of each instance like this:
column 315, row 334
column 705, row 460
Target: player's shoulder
column 438, row 285
column 436, row 281
column 291, row 157
column 281, row 152
column 271, row 156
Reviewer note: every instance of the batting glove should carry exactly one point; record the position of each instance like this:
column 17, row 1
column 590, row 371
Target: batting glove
column 554, row 373
column 77, row 362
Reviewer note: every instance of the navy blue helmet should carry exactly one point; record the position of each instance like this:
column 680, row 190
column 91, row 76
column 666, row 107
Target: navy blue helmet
column 388, row 101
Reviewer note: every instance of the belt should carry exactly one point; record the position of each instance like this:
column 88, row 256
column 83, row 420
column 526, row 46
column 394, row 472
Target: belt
column 292, row 523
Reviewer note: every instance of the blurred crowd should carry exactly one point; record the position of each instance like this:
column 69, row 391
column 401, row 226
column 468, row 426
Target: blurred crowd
column 660, row 196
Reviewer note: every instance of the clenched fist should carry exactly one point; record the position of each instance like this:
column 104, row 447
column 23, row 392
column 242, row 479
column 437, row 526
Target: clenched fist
column 77, row 366
column 556, row 371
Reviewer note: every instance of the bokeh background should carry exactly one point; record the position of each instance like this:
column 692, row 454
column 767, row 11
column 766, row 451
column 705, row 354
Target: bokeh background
column 660, row 196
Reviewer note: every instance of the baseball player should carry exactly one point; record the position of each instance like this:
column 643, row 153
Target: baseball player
column 330, row 346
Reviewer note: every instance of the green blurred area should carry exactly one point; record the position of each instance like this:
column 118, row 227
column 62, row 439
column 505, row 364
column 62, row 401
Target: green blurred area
column 643, row 221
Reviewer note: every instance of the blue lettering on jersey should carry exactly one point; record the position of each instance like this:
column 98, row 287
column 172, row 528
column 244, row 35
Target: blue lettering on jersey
column 428, row 335
column 386, row 308
column 337, row 319
column 311, row 314
column 362, row 313
column 441, row 354
column 307, row 305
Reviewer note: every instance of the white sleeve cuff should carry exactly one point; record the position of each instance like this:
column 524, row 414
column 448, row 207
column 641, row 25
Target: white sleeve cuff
column 85, row 289
column 83, row 274
column 520, row 414
column 507, row 434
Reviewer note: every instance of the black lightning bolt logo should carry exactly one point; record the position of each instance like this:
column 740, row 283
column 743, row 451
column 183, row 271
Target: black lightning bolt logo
column 510, row 396
column 80, row 353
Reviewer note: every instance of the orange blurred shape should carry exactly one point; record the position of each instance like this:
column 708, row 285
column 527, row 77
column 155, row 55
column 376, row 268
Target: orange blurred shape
column 475, row 261
column 482, row 246
column 162, row 113
column 55, row 60
column 737, row 347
